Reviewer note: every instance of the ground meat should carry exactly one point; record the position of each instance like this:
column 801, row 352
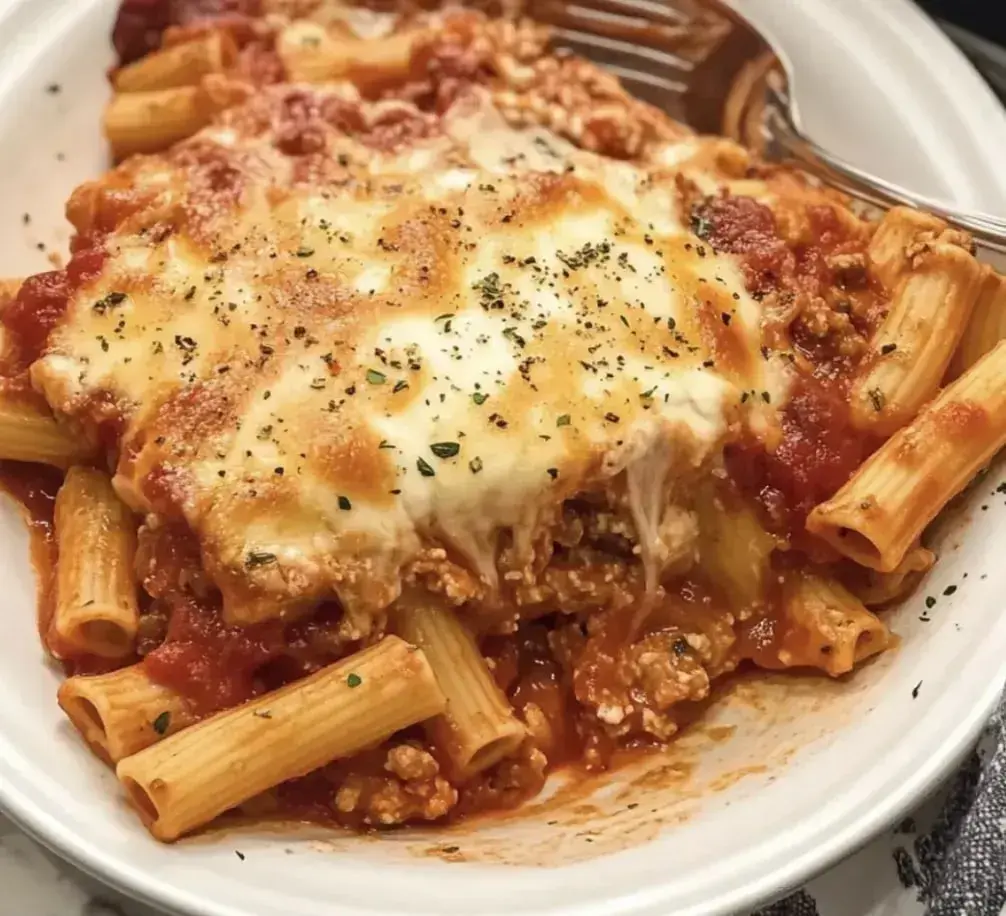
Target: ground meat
column 661, row 671
column 582, row 581
column 522, row 774
column 412, row 790
column 507, row 784
column 152, row 628
column 816, row 318
column 632, row 688
column 141, row 24
column 610, row 530
column 539, row 726
column 466, row 49
column 317, row 641
column 411, row 763
column 435, row 572
column 584, row 103
column 807, row 264
column 678, row 534
column 922, row 247
column 631, row 685
column 168, row 559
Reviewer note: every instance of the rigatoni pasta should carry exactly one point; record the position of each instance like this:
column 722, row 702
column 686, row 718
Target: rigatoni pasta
column 900, row 234
column 876, row 517
column 152, row 120
column 878, row 589
column 29, row 432
column 987, row 325
column 8, row 290
column 934, row 281
column 827, row 626
column 183, row 64
column 124, row 711
column 187, row 780
column 478, row 727
column 96, row 609
column 735, row 548
column 310, row 54
column 143, row 122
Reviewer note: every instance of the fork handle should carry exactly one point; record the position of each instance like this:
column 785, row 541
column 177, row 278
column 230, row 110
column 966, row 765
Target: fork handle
column 989, row 231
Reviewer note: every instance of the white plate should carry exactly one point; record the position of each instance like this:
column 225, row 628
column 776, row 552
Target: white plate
column 826, row 767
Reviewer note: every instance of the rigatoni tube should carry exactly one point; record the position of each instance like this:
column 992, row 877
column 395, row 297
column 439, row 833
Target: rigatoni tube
column 876, row 589
column 827, row 626
column 188, row 779
column 987, row 325
column 147, row 122
column 478, row 727
column 29, row 432
column 311, row 55
column 122, row 712
column 177, row 65
column 889, row 250
column 96, row 606
column 879, row 514
column 934, row 283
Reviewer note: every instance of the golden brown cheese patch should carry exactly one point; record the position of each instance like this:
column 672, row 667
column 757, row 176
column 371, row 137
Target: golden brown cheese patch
column 323, row 368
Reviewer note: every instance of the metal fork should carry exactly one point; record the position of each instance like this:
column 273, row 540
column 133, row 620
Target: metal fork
column 705, row 64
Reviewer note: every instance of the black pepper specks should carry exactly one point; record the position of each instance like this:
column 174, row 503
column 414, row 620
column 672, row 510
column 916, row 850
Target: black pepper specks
column 257, row 558
column 108, row 302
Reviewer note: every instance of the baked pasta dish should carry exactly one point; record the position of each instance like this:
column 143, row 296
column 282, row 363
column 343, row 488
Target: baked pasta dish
column 423, row 413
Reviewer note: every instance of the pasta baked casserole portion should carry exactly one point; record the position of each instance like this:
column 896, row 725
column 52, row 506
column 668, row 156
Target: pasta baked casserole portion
column 429, row 413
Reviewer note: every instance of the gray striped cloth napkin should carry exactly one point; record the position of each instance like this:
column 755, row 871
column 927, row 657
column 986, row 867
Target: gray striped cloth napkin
column 958, row 866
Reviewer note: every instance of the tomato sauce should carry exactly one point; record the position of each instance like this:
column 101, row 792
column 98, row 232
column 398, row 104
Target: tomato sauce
column 140, row 25
column 817, row 455
column 826, row 264
column 42, row 301
column 526, row 670
column 211, row 664
column 742, row 226
column 819, row 448
column 35, row 489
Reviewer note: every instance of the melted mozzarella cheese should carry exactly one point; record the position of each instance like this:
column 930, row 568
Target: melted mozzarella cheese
column 321, row 378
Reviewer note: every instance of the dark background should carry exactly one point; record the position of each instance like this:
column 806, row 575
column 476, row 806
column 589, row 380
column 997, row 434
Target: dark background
column 986, row 18
column 979, row 27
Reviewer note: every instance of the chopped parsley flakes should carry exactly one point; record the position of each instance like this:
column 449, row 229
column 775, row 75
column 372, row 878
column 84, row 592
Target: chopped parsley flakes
column 162, row 723
column 445, row 449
